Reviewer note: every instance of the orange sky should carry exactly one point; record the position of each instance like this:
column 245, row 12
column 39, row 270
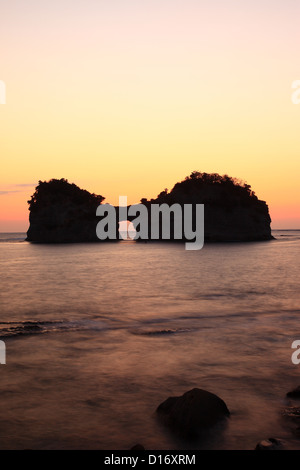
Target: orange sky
column 127, row 98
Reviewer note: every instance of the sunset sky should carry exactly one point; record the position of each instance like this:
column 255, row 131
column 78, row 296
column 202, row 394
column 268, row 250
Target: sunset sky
column 127, row 97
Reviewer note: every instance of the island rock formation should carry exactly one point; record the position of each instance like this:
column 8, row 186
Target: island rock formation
column 232, row 211
column 61, row 212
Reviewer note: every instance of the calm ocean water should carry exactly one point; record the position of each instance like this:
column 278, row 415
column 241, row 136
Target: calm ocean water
column 98, row 335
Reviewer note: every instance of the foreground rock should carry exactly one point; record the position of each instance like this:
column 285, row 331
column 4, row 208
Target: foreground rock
column 193, row 413
column 294, row 393
column 292, row 413
column 270, row 444
column 138, row 447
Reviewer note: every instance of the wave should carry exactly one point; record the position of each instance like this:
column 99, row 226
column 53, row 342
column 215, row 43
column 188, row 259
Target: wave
column 6, row 237
column 190, row 323
column 11, row 329
column 164, row 331
column 12, row 240
column 242, row 294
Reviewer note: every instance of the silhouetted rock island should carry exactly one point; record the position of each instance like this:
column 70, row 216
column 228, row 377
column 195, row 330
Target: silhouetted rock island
column 61, row 212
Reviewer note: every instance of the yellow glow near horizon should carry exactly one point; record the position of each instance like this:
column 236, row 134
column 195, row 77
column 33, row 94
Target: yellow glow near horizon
column 127, row 99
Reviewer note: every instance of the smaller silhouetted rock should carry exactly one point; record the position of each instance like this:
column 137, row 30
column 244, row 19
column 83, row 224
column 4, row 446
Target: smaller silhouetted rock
column 193, row 413
column 270, row 444
column 294, row 393
column 138, row 447
column 293, row 413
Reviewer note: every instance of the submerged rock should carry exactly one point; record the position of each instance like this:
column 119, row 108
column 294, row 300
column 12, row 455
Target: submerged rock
column 292, row 412
column 294, row 393
column 138, row 447
column 292, row 416
column 193, row 413
column 270, row 444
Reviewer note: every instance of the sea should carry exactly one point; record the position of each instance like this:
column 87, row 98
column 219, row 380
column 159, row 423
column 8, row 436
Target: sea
column 97, row 335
